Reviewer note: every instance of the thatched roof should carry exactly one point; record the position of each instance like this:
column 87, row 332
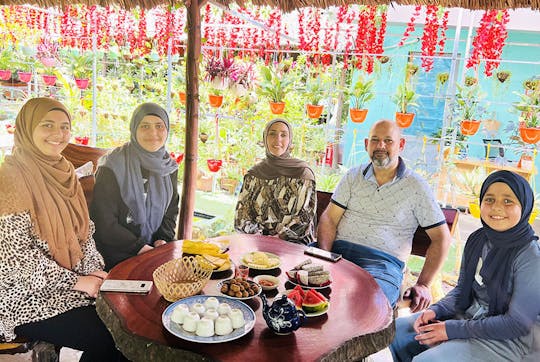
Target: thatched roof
column 289, row 5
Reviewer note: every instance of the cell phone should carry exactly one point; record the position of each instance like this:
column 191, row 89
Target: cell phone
column 323, row 254
column 126, row 286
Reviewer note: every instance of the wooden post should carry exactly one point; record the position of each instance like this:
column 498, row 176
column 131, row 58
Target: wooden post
column 187, row 205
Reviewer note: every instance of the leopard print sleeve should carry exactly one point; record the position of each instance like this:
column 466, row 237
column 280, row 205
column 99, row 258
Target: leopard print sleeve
column 25, row 261
column 92, row 259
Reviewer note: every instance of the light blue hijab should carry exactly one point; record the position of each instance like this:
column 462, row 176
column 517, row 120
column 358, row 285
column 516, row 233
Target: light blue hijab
column 126, row 163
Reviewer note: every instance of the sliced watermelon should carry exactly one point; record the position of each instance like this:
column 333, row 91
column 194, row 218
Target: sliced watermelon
column 312, row 303
column 300, row 290
column 297, row 298
column 317, row 295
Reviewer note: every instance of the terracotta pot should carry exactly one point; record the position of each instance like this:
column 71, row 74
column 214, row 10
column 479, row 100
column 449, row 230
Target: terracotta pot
column 358, row 115
column 530, row 134
column 82, row 83
column 25, row 76
column 277, row 107
column 215, row 100
column 5, row 74
column 183, row 97
column 469, row 127
column 49, row 79
column 214, row 165
column 314, row 111
column 404, row 120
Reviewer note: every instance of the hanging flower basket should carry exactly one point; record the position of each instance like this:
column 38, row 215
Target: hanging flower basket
column 49, row 79
column 5, row 74
column 529, row 135
column 182, row 96
column 277, row 107
column 358, row 115
column 215, row 100
column 469, row 127
column 24, row 76
column 214, row 165
column 82, row 83
column 314, row 111
column 404, row 120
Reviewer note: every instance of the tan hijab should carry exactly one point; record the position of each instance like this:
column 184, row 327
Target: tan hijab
column 46, row 186
column 284, row 165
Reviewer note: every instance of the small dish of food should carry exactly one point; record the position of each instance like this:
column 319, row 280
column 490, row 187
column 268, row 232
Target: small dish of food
column 240, row 289
column 267, row 282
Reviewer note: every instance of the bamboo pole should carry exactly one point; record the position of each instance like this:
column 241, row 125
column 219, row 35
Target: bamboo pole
column 187, row 206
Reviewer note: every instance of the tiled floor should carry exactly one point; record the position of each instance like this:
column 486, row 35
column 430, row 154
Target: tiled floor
column 467, row 224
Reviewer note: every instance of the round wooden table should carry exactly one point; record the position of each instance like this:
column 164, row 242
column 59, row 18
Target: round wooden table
column 359, row 321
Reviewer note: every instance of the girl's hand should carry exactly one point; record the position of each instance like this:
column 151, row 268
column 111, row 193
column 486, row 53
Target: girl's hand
column 100, row 274
column 88, row 284
column 159, row 243
column 423, row 319
column 432, row 334
column 144, row 249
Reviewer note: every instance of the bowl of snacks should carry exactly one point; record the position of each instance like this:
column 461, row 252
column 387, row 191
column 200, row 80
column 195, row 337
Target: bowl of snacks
column 261, row 260
column 238, row 288
column 181, row 278
column 267, row 282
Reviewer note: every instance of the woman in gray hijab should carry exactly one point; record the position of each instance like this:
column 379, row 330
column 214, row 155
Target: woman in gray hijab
column 278, row 195
column 135, row 204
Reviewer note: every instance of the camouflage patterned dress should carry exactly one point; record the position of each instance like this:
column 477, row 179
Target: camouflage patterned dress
column 281, row 206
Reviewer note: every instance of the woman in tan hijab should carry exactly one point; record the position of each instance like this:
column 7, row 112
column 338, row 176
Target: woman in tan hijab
column 50, row 270
column 278, row 195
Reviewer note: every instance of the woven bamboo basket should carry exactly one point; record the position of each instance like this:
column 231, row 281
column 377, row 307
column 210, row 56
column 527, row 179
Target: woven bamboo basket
column 181, row 278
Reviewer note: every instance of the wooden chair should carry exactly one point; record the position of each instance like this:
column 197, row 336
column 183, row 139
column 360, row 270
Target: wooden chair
column 78, row 155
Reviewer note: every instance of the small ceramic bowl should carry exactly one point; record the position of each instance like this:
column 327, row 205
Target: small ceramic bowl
column 267, row 282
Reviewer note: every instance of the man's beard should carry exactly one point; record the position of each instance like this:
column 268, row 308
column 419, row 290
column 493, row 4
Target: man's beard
column 380, row 162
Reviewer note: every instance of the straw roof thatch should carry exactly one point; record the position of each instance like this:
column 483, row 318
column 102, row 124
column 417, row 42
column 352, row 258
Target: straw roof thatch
column 289, row 5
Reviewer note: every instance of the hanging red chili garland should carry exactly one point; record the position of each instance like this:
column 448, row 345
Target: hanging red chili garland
column 410, row 25
column 430, row 37
column 489, row 40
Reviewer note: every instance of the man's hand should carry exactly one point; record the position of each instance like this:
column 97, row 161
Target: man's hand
column 144, row 249
column 432, row 334
column 420, row 296
column 159, row 243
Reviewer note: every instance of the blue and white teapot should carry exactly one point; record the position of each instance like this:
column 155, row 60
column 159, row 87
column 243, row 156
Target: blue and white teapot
column 282, row 316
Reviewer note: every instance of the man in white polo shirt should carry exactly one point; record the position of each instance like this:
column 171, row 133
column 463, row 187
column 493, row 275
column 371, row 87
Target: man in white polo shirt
column 374, row 212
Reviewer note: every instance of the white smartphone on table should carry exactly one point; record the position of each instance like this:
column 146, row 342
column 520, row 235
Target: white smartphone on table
column 323, row 254
column 126, row 286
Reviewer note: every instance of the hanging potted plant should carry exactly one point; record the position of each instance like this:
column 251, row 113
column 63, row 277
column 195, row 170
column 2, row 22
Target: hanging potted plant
column 5, row 64
column 405, row 98
column 468, row 108
column 274, row 85
column 503, row 75
column 180, row 86
column 314, row 93
column 217, row 77
column 47, row 53
column 359, row 96
column 24, row 65
column 241, row 77
column 529, row 121
column 81, row 68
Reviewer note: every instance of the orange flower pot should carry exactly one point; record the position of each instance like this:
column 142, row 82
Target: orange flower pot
column 314, row 111
column 404, row 120
column 182, row 96
column 82, row 83
column 358, row 115
column 530, row 135
column 49, row 79
column 469, row 127
column 277, row 107
column 215, row 100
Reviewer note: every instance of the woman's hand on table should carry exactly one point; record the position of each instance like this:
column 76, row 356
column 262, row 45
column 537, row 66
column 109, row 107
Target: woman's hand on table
column 159, row 243
column 88, row 284
column 144, row 249
column 100, row 274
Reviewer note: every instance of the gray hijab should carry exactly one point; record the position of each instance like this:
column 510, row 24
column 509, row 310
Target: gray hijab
column 126, row 163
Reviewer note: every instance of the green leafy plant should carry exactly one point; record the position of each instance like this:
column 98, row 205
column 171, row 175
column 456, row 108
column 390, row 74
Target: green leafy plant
column 274, row 83
column 529, row 106
column 80, row 65
column 314, row 90
column 6, row 59
column 361, row 93
column 467, row 102
column 405, row 97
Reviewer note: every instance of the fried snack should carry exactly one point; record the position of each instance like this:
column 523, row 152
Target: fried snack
column 209, row 252
column 239, row 288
